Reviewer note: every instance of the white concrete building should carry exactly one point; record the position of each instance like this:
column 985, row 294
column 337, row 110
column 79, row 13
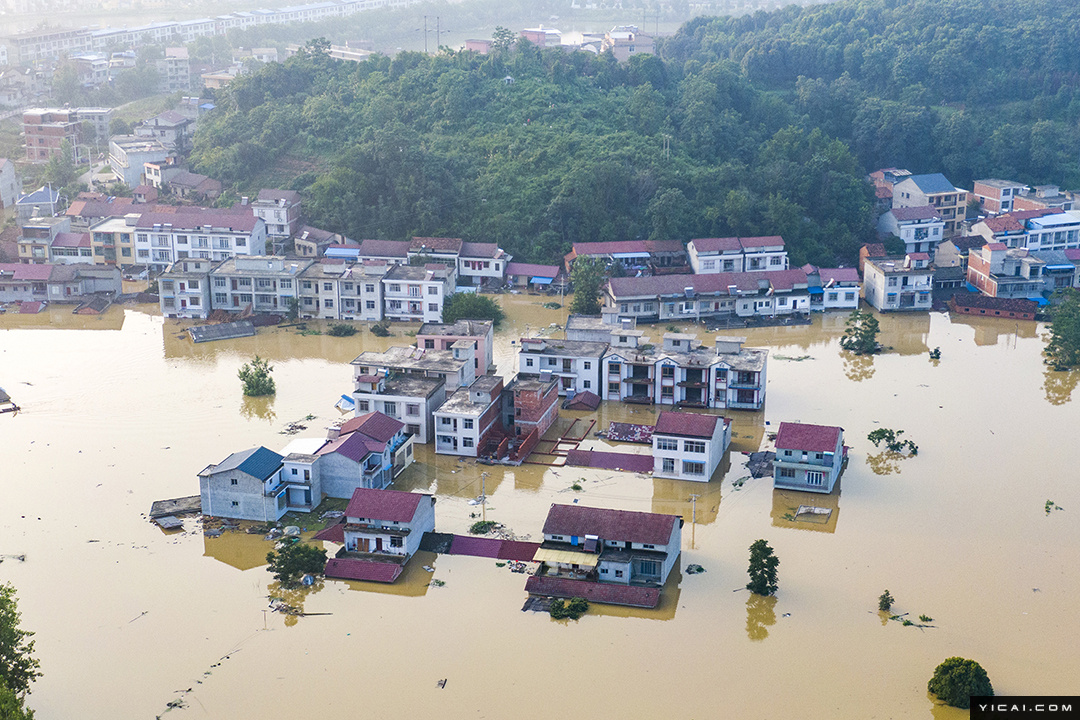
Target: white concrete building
column 268, row 283
column 184, row 289
column 410, row 399
column 575, row 363
column 689, row 446
column 833, row 288
column 737, row 254
column 128, row 154
column 279, row 209
column 388, row 522
column 161, row 238
column 417, row 294
column 468, row 417
column 894, row 283
column 480, row 263
column 919, row 228
column 808, row 457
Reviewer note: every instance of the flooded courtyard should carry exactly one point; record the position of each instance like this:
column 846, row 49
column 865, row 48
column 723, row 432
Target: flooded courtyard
column 122, row 410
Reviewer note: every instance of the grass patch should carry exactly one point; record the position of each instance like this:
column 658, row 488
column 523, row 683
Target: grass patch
column 482, row 527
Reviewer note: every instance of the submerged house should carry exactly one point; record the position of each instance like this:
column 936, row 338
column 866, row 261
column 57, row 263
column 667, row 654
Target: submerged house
column 808, row 457
column 251, row 485
column 612, row 556
column 382, row 529
column 689, row 446
column 368, row 452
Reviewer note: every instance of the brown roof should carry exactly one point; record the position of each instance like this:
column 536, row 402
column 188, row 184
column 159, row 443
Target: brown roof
column 686, row 424
column 979, row 301
column 875, row 250
column 752, row 282
column 375, row 425
column 609, row 593
column 728, row 244
column 551, row 271
column 386, row 505
column 809, row 438
column 626, row 246
column 67, row 239
column 967, row 242
column 353, row 569
column 481, row 250
column 194, row 221
column 624, row 525
column 610, row 460
column 586, row 400
column 439, row 244
column 384, row 248
column 925, row 212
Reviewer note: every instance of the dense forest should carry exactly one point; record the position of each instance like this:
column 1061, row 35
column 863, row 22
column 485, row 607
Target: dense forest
column 970, row 88
column 764, row 124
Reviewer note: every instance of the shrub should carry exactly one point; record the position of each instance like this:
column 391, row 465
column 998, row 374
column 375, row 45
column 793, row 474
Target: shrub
column 470, row 306
column 571, row 609
column 341, row 330
column 382, row 329
column 482, row 527
column 885, row 601
column 957, row 679
column 293, row 561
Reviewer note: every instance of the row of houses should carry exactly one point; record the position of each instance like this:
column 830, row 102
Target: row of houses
column 56, row 283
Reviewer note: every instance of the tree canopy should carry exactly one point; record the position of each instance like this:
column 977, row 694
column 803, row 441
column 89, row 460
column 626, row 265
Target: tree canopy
column 470, row 306
column 956, row 679
column 1063, row 350
column 18, row 666
column 762, row 569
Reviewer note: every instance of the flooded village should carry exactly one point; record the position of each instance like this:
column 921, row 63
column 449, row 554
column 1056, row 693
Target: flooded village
column 123, row 409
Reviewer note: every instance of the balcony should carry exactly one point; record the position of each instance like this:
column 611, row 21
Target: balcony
column 639, row 399
column 371, row 527
column 751, row 383
column 634, row 380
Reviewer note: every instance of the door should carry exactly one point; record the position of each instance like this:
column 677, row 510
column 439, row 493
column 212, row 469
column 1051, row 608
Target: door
column 362, row 544
column 378, row 544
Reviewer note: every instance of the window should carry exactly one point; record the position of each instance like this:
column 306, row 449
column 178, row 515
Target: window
column 433, row 290
column 833, row 297
column 240, row 242
column 307, row 284
column 693, row 468
column 369, row 288
column 234, row 481
column 395, row 541
column 614, row 368
column 850, row 296
column 235, row 504
column 433, row 307
column 667, row 444
column 328, row 303
column 467, row 424
column 370, row 304
column 467, row 442
column 414, row 291
column 667, row 372
column 429, row 344
column 669, row 465
column 412, row 409
column 327, row 287
column 364, row 406
column 394, row 288
column 586, row 365
column 787, row 472
column 587, row 384
column 693, row 446
column 220, row 283
column 814, row 478
column 528, row 362
column 708, row 264
column 390, row 408
column 613, row 387
column 618, row 573
column 775, row 260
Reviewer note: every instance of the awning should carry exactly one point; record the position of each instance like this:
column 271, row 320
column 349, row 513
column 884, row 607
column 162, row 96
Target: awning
column 971, row 288
column 629, row 256
column 1040, row 300
column 541, row 280
column 566, row 557
column 1060, row 267
column 815, row 290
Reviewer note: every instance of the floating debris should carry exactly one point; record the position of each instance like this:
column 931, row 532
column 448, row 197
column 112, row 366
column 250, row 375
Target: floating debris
column 694, row 569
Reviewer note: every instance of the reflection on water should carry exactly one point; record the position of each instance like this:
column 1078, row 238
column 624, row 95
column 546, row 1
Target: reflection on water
column 669, row 603
column 60, row 317
column 670, row 497
column 995, row 331
column 858, row 367
column 238, row 549
column 760, row 616
column 786, row 504
column 294, row 597
column 886, row 462
column 1059, row 385
column 261, row 407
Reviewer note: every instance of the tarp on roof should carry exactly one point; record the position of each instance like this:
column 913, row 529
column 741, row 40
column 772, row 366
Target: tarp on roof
column 541, row 280
column 1039, row 300
column 566, row 557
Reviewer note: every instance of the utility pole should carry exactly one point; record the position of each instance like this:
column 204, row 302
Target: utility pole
column 437, row 41
column 483, row 496
column 425, row 34
column 693, row 520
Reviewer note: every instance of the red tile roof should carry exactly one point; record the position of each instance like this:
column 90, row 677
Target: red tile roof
column 69, row 239
column 809, row 438
column 686, row 424
column 22, row 271
column 762, row 241
column 355, row 446
column 586, row 400
column 437, row 244
column 31, row 307
column 875, row 250
column 386, row 505
column 374, row 424
column 194, row 221
column 333, row 533
column 610, row 460
column 728, row 244
column 353, row 569
column 493, row 548
column 979, row 301
column 626, row 246
column 551, row 271
column 838, row 275
column 606, row 593
column 1072, row 253
column 384, row 248
column 919, row 256
column 624, row 525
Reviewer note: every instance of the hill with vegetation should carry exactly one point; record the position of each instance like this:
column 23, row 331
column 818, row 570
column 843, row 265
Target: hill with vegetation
column 536, row 150
column 970, row 88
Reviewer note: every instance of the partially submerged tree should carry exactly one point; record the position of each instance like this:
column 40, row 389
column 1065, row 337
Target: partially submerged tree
column 762, row 570
column 892, row 441
column 18, row 667
column 587, row 276
column 294, row 560
column 1063, row 350
column 256, row 378
column 957, row 679
column 470, row 306
column 860, row 337
column 571, row 609
column 11, row 705
column 885, row 601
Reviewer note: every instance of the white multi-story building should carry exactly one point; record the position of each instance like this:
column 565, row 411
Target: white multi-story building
column 480, row 263
column 267, row 283
column 899, row 283
column 161, row 238
column 833, row 288
column 128, row 154
column 919, row 228
column 184, row 289
column 411, row 399
column 737, row 254
column 689, row 446
column 454, row 366
column 467, row 419
column 576, row 363
column 808, row 457
column 280, row 210
column 417, row 294
column 442, row 336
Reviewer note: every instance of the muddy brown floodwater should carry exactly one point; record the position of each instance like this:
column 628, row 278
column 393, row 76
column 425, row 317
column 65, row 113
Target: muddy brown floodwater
column 122, row 410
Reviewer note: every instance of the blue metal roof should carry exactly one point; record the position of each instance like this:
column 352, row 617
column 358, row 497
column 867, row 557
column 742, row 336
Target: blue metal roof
column 541, row 280
column 257, row 462
column 933, row 183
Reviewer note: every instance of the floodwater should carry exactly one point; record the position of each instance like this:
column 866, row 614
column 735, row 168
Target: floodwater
column 130, row 618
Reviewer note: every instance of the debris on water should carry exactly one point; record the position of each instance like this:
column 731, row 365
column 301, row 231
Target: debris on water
column 796, row 358
column 20, row 558
column 1051, row 505
column 308, row 580
column 213, row 532
column 292, row 531
column 437, row 583
column 429, row 568
column 693, row 569
column 441, row 683
column 333, row 514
